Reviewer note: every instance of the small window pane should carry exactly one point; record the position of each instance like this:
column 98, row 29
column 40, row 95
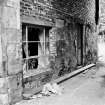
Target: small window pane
column 33, row 49
column 33, row 34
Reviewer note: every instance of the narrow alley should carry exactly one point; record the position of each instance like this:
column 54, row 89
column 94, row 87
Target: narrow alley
column 87, row 88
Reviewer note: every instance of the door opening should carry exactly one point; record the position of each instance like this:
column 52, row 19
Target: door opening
column 79, row 44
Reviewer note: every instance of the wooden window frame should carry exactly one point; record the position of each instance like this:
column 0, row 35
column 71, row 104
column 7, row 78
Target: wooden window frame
column 27, row 42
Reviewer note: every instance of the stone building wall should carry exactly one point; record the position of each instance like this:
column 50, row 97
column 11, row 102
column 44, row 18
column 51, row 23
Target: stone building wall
column 11, row 66
column 54, row 14
column 64, row 32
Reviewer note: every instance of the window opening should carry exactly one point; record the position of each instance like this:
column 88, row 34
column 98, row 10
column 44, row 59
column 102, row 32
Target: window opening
column 35, row 46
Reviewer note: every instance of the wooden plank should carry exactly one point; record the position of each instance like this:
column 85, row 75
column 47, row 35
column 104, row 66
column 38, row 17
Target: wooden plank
column 67, row 76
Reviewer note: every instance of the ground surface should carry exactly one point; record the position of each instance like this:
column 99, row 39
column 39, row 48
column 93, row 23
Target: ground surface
column 87, row 88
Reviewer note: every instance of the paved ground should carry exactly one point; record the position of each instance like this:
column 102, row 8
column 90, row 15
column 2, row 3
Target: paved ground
column 87, row 88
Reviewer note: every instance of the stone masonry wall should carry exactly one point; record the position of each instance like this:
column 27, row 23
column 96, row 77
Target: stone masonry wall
column 10, row 34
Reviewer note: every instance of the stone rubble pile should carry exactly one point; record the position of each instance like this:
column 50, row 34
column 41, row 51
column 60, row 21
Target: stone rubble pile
column 49, row 89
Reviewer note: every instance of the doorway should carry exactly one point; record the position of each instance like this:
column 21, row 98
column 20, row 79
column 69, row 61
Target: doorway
column 79, row 44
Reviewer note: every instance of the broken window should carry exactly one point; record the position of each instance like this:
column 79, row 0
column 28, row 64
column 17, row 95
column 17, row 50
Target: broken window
column 35, row 46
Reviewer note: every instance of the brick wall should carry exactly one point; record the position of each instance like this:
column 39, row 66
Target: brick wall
column 82, row 9
column 36, row 9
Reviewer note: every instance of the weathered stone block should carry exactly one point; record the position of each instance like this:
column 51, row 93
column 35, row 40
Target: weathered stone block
column 13, row 4
column 4, row 99
column 11, row 39
column 14, row 66
column 11, row 18
column 1, row 71
column 14, row 82
column 14, row 58
column 15, row 95
column 13, row 35
column 3, row 86
column 4, row 42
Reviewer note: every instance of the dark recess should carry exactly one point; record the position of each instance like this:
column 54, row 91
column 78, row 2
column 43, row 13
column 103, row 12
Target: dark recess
column 97, row 11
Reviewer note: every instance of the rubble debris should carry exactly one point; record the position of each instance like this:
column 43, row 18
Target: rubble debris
column 48, row 90
column 51, row 88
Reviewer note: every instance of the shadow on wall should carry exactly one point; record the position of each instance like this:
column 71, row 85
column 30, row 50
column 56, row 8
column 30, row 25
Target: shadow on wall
column 65, row 61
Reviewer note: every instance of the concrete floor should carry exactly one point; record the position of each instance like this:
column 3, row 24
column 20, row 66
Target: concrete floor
column 87, row 88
